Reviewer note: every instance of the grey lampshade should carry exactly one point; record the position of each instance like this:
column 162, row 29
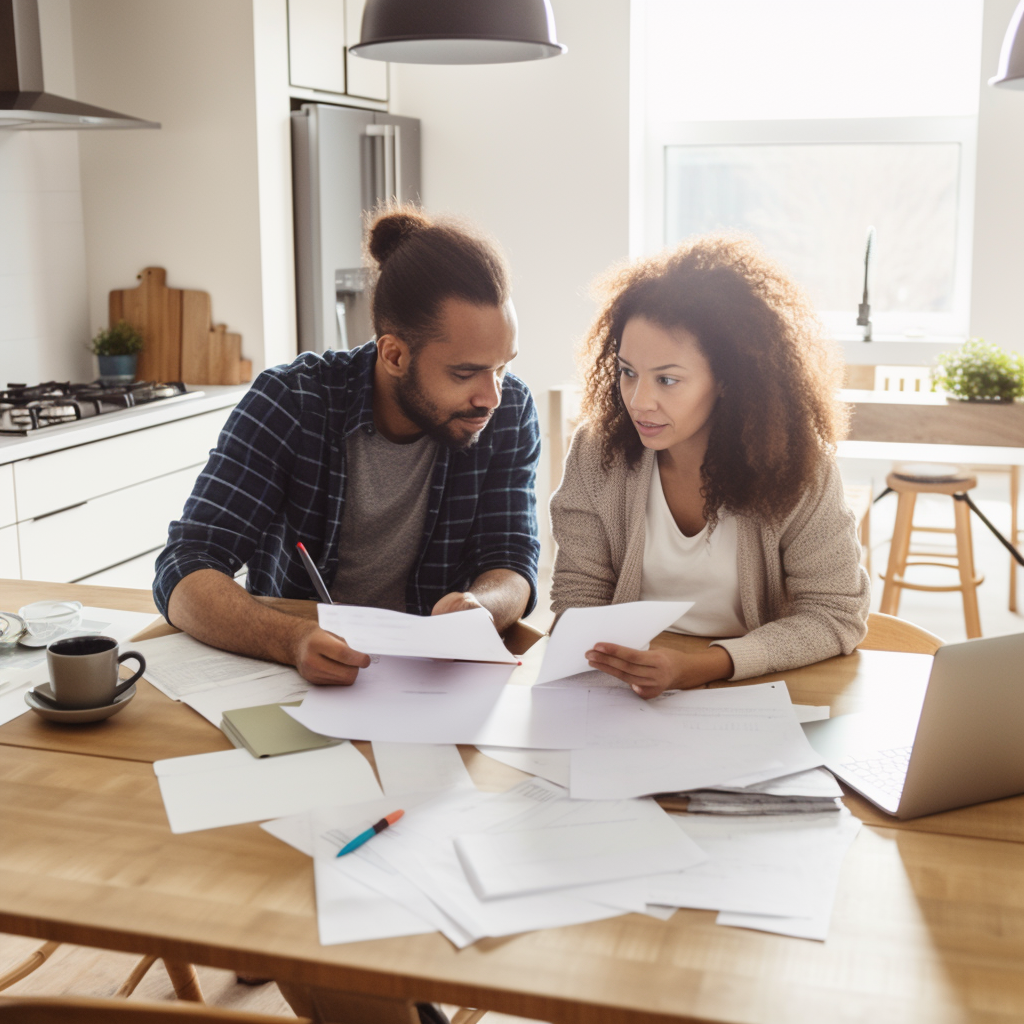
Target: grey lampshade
column 458, row 31
column 1011, row 59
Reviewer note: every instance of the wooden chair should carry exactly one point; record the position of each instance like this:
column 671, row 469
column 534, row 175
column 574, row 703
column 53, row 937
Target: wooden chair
column 908, row 482
column 888, row 633
column 72, row 1010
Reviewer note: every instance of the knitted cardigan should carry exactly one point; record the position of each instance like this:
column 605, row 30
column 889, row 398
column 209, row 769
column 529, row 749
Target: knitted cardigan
column 803, row 591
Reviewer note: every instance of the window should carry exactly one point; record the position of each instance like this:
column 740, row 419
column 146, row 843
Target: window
column 804, row 129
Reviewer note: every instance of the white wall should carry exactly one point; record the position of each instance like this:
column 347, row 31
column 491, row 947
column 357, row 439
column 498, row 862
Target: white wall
column 44, row 320
column 184, row 197
column 997, row 293
column 537, row 155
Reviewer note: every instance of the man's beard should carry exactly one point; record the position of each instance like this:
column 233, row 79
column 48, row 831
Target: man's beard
column 418, row 408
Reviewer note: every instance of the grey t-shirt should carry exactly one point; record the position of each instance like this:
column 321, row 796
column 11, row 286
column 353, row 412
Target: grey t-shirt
column 386, row 497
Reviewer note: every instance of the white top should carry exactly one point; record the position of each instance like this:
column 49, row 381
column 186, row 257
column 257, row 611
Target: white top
column 702, row 569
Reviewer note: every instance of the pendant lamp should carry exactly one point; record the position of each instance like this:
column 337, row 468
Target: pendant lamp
column 1011, row 58
column 458, row 31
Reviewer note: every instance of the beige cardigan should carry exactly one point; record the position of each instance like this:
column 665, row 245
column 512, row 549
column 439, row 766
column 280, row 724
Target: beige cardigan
column 803, row 591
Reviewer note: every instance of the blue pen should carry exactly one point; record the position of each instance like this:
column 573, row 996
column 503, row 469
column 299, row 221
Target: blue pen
column 388, row 819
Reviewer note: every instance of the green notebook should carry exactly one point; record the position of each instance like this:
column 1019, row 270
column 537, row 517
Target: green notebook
column 267, row 730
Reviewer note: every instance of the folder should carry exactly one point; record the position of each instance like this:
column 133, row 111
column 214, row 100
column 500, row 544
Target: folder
column 266, row 731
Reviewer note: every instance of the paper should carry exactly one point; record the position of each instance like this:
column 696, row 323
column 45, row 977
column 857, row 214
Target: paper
column 552, row 765
column 633, row 624
column 780, row 866
column 810, row 712
column 686, row 739
column 405, row 768
column 825, row 887
column 565, row 843
column 535, row 718
column 407, row 700
column 179, row 665
column 296, row 830
column 817, row 782
column 229, row 787
column 466, row 636
column 280, row 687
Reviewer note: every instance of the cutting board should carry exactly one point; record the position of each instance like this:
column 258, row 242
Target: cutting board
column 176, row 325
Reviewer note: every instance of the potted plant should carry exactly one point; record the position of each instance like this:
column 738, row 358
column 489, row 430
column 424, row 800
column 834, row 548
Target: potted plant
column 117, row 350
column 980, row 372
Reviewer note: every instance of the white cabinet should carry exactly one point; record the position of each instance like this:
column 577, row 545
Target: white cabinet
column 366, row 78
column 68, row 477
column 7, row 513
column 319, row 32
column 10, row 563
column 70, row 545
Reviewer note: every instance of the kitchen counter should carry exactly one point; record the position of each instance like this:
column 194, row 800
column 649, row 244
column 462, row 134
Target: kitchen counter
column 205, row 398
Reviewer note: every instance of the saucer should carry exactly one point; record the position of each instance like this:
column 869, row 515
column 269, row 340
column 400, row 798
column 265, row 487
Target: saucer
column 76, row 715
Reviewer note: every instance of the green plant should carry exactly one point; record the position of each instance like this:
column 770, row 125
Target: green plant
column 980, row 370
column 120, row 340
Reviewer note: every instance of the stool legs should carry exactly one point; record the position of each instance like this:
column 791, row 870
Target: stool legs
column 965, row 563
column 898, row 551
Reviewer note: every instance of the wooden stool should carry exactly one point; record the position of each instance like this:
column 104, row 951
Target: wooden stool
column 908, row 482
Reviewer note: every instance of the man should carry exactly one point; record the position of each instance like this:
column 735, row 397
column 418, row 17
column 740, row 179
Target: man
column 406, row 467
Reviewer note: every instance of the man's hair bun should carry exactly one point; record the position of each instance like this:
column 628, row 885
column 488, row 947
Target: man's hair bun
column 389, row 230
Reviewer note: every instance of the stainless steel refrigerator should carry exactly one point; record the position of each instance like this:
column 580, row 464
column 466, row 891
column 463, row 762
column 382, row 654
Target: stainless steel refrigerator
column 344, row 162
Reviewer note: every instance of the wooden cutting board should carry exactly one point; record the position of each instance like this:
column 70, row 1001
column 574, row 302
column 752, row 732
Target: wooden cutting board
column 180, row 342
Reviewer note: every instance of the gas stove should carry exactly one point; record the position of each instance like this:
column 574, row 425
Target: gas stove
column 25, row 409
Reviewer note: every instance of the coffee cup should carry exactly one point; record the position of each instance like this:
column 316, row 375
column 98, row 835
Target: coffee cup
column 83, row 671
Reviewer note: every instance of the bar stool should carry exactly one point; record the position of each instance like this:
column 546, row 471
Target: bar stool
column 908, row 481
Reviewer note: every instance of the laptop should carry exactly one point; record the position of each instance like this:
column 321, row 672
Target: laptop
column 966, row 747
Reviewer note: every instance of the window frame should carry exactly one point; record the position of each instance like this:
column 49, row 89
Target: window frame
column 649, row 206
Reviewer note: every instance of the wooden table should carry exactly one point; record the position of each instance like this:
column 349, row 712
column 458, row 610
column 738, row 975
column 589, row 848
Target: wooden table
column 928, row 924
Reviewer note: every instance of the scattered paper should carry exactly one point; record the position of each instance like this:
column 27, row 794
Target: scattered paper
column 405, row 768
column 633, row 624
column 686, row 739
column 407, row 700
column 810, row 712
column 276, row 688
column 464, row 636
column 229, row 787
column 552, row 765
column 179, row 665
column 564, row 843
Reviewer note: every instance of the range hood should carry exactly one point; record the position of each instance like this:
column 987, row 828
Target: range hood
column 23, row 103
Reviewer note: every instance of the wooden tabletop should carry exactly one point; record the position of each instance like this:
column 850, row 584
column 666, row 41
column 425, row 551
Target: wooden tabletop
column 928, row 924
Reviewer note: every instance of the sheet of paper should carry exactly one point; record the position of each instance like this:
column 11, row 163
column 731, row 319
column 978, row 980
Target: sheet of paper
column 687, row 739
column 229, row 787
column 296, row 830
column 760, row 865
column 179, row 665
column 420, row 768
column 466, row 636
column 420, row 848
column 535, row 718
column 277, row 688
column 811, row 712
column 407, row 700
column 816, row 782
column 634, row 624
column 565, row 843
column 552, row 765
column 332, row 828
column 826, row 885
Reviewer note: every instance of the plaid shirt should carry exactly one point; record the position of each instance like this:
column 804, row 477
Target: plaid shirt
column 278, row 475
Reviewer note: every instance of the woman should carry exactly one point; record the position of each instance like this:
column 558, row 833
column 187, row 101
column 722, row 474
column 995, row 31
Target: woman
column 704, row 470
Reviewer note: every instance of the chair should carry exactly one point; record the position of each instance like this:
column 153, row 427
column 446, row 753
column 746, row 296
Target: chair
column 72, row 1010
column 888, row 633
column 909, row 481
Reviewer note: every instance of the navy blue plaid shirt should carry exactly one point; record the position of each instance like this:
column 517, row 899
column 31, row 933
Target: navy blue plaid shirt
column 278, row 474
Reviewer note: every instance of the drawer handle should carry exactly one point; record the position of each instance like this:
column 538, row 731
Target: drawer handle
column 57, row 512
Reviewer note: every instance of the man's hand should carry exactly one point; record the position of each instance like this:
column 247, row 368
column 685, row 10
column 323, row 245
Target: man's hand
column 326, row 659
column 650, row 673
column 458, row 601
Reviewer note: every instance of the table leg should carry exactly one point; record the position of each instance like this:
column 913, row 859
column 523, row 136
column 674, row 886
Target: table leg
column 185, row 981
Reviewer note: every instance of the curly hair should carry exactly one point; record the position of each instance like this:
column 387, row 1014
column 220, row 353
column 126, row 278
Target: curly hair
column 777, row 418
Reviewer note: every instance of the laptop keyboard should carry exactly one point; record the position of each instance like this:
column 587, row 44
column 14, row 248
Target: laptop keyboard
column 886, row 771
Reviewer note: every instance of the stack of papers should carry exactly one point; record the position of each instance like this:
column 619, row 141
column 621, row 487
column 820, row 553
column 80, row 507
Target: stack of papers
column 807, row 792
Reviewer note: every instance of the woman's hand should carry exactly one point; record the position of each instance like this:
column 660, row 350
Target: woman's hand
column 652, row 672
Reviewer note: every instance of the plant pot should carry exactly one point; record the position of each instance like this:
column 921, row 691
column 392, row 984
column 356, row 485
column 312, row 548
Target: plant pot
column 117, row 369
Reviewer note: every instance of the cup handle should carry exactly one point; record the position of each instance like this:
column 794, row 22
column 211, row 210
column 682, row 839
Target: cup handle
column 122, row 687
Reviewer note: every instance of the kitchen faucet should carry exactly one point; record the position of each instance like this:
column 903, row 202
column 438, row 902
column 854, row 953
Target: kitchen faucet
column 864, row 309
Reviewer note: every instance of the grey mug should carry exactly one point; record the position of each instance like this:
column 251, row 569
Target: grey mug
column 83, row 671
